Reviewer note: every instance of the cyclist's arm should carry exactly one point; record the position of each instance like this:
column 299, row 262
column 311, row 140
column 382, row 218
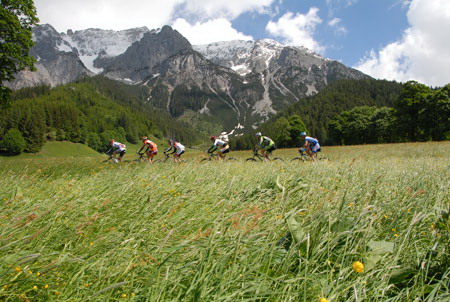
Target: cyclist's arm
column 170, row 148
column 141, row 149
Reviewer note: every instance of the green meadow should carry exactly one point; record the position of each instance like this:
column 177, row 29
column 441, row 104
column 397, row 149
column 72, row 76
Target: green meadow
column 371, row 223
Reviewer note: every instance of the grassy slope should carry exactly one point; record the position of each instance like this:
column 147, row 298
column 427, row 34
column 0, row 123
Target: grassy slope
column 69, row 149
column 209, row 232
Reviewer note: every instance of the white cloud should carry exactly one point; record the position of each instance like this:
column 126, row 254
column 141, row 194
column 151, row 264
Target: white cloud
column 229, row 9
column 297, row 29
column 335, row 23
column 210, row 31
column 120, row 14
column 105, row 14
column 422, row 54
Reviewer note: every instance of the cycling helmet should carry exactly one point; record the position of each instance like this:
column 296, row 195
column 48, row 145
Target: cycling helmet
column 258, row 134
column 111, row 141
column 144, row 138
column 213, row 138
column 303, row 133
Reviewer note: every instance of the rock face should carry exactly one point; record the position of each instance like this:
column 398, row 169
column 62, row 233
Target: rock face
column 234, row 84
column 57, row 61
column 139, row 60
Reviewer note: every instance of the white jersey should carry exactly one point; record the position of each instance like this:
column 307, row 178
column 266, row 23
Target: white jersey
column 219, row 143
column 118, row 146
column 179, row 147
column 224, row 137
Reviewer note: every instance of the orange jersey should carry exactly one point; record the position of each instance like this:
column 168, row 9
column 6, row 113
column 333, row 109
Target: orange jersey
column 151, row 145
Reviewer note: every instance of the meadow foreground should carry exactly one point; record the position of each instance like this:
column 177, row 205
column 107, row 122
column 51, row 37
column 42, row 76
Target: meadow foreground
column 370, row 224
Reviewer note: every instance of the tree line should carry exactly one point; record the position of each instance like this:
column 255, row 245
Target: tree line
column 90, row 111
column 362, row 112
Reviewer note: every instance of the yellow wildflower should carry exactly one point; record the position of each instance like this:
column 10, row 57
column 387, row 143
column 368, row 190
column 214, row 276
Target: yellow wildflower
column 46, row 286
column 323, row 300
column 18, row 269
column 124, row 295
column 358, row 267
column 35, row 287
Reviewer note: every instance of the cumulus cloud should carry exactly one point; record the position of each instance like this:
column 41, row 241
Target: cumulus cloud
column 210, row 31
column 297, row 29
column 423, row 52
column 335, row 23
column 228, row 9
column 105, row 14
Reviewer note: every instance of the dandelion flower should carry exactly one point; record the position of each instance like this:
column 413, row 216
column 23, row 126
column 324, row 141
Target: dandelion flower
column 46, row 286
column 323, row 300
column 38, row 274
column 35, row 287
column 358, row 267
column 124, row 295
column 18, row 269
column 86, row 284
column 132, row 294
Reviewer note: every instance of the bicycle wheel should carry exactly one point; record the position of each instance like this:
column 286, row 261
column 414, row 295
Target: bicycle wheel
column 251, row 159
column 231, row 159
column 277, row 159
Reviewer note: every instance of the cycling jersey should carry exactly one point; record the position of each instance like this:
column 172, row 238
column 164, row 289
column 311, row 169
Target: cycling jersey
column 224, row 137
column 218, row 143
column 151, row 145
column 313, row 143
column 118, row 146
column 266, row 143
column 175, row 147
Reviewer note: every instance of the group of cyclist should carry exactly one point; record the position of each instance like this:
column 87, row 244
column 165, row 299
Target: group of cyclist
column 220, row 144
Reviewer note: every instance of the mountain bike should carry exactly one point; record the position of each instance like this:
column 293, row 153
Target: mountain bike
column 141, row 158
column 212, row 156
column 258, row 157
column 305, row 157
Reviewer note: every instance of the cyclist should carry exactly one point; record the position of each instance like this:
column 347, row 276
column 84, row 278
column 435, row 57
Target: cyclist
column 176, row 148
column 311, row 145
column 265, row 144
column 224, row 136
column 117, row 148
column 218, row 143
column 151, row 151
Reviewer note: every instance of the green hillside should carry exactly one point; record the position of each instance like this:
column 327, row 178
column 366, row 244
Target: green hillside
column 90, row 111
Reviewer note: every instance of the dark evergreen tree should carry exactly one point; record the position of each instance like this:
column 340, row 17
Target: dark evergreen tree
column 13, row 142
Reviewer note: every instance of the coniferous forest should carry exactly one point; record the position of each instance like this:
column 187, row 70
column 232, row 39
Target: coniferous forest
column 93, row 110
column 90, row 111
column 367, row 111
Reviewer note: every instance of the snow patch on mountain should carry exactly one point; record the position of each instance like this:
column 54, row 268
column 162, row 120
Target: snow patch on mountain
column 92, row 43
column 241, row 55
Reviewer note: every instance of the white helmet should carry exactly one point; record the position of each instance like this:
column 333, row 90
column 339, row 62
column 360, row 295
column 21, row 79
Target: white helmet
column 258, row 134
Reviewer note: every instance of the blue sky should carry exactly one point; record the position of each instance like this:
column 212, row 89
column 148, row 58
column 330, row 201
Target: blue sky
column 387, row 39
column 363, row 25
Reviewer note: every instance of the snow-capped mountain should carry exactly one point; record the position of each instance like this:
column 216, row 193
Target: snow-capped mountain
column 94, row 43
column 234, row 83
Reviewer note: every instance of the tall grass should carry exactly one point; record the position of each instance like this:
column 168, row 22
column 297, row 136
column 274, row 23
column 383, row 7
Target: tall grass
column 81, row 230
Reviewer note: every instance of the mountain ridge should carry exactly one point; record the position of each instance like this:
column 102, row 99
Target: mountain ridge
column 240, row 83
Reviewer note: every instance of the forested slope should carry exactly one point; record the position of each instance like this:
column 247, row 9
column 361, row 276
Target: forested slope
column 89, row 111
